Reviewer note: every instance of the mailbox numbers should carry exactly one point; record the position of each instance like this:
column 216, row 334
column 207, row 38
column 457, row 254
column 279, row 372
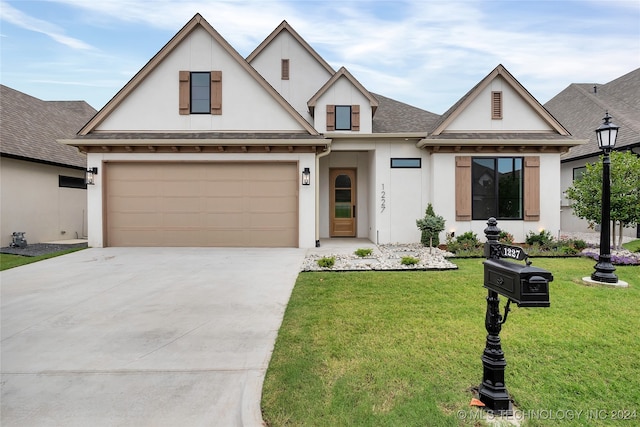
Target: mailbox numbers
column 513, row 252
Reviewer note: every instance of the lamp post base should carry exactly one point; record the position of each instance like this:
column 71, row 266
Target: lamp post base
column 604, row 270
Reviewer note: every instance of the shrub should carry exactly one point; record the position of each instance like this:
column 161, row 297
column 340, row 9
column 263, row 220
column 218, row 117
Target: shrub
column 544, row 238
column 363, row 252
column 579, row 244
column 409, row 260
column 468, row 240
column 327, row 262
column 430, row 226
column 505, row 237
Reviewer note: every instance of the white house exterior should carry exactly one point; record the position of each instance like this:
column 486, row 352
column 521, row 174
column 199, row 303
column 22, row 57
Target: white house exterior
column 205, row 148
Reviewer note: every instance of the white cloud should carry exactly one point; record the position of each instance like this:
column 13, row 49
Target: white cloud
column 16, row 17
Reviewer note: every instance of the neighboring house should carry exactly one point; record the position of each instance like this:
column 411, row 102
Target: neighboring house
column 203, row 147
column 580, row 108
column 43, row 190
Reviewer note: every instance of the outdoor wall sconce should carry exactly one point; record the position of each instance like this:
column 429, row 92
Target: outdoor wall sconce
column 306, row 177
column 89, row 178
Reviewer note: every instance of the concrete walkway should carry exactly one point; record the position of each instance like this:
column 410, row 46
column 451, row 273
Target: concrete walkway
column 142, row 336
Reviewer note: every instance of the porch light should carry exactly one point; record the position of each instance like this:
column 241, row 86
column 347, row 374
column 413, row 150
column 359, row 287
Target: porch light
column 306, row 177
column 607, row 134
column 89, row 178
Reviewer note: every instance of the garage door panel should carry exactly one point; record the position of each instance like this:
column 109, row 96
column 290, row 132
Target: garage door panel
column 202, row 204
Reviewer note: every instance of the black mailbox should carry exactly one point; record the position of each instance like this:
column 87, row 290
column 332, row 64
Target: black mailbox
column 525, row 285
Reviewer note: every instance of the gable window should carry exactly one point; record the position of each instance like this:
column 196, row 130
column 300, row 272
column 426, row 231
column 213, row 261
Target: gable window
column 497, row 187
column 343, row 117
column 284, row 69
column 200, row 92
column 496, row 105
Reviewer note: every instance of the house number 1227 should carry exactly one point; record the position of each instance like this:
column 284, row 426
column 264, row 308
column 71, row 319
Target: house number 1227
column 383, row 200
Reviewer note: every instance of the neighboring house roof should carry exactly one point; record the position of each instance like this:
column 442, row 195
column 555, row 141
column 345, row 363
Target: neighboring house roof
column 581, row 110
column 396, row 117
column 31, row 126
column 343, row 72
column 196, row 22
column 284, row 26
column 463, row 102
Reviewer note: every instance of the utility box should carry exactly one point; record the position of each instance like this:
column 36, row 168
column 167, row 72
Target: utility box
column 525, row 285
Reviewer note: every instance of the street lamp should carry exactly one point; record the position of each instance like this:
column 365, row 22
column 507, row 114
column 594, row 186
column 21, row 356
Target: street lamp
column 604, row 270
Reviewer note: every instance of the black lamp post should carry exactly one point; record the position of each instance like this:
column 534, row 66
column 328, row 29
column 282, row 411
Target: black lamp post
column 606, row 134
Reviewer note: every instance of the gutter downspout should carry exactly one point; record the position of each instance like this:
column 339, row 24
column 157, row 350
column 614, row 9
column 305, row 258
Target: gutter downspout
column 318, row 156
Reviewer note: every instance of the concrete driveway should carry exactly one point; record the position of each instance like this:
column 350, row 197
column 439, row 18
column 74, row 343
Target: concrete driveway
column 142, row 336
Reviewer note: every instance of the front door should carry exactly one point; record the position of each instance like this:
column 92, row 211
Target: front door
column 343, row 203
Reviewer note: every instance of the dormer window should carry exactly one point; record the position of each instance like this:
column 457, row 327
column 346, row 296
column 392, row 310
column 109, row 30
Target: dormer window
column 343, row 117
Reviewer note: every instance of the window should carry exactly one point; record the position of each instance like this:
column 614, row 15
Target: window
column 578, row 172
column 496, row 105
column 497, row 187
column 71, row 182
column 285, row 69
column 200, row 92
column 406, row 163
column 343, row 117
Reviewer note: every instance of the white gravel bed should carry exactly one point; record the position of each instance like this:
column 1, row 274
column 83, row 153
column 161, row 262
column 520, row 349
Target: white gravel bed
column 387, row 257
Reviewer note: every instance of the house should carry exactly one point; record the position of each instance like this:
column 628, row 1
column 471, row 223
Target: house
column 580, row 107
column 203, row 147
column 43, row 190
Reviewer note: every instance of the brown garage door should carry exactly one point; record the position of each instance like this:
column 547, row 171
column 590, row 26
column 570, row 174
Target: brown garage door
column 202, row 204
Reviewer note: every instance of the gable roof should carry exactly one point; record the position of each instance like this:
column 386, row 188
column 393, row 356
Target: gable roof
column 196, row 22
column 396, row 117
column 284, row 26
column 500, row 70
column 31, row 126
column 581, row 109
column 343, row 72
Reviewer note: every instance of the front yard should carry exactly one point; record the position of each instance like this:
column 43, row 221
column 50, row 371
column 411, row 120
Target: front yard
column 403, row 348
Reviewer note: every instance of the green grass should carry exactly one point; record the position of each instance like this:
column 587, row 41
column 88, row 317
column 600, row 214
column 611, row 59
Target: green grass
column 10, row 261
column 403, row 348
column 633, row 246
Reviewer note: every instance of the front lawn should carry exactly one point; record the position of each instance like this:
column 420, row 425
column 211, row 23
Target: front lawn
column 403, row 349
column 10, row 261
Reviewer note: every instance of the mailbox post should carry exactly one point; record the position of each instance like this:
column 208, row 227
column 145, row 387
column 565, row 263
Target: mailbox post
column 523, row 284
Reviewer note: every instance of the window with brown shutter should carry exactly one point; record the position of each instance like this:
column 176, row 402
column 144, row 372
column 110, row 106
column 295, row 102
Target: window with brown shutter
column 532, row 188
column 496, row 105
column 463, row 188
column 285, row 69
column 184, row 92
column 216, row 93
column 355, row 117
column 331, row 118
column 200, row 92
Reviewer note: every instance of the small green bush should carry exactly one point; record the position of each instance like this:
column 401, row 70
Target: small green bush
column 579, row 244
column 327, row 262
column 544, row 238
column 468, row 239
column 363, row 252
column 409, row 260
column 505, row 237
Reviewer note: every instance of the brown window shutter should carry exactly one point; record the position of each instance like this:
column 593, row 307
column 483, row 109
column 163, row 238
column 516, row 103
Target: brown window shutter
column 496, row 105
column 532, row 188
column 285, row 69
column 184, row 92
column 463, row 188
column 216, row 93
column 331, row 117
column 355, row 117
